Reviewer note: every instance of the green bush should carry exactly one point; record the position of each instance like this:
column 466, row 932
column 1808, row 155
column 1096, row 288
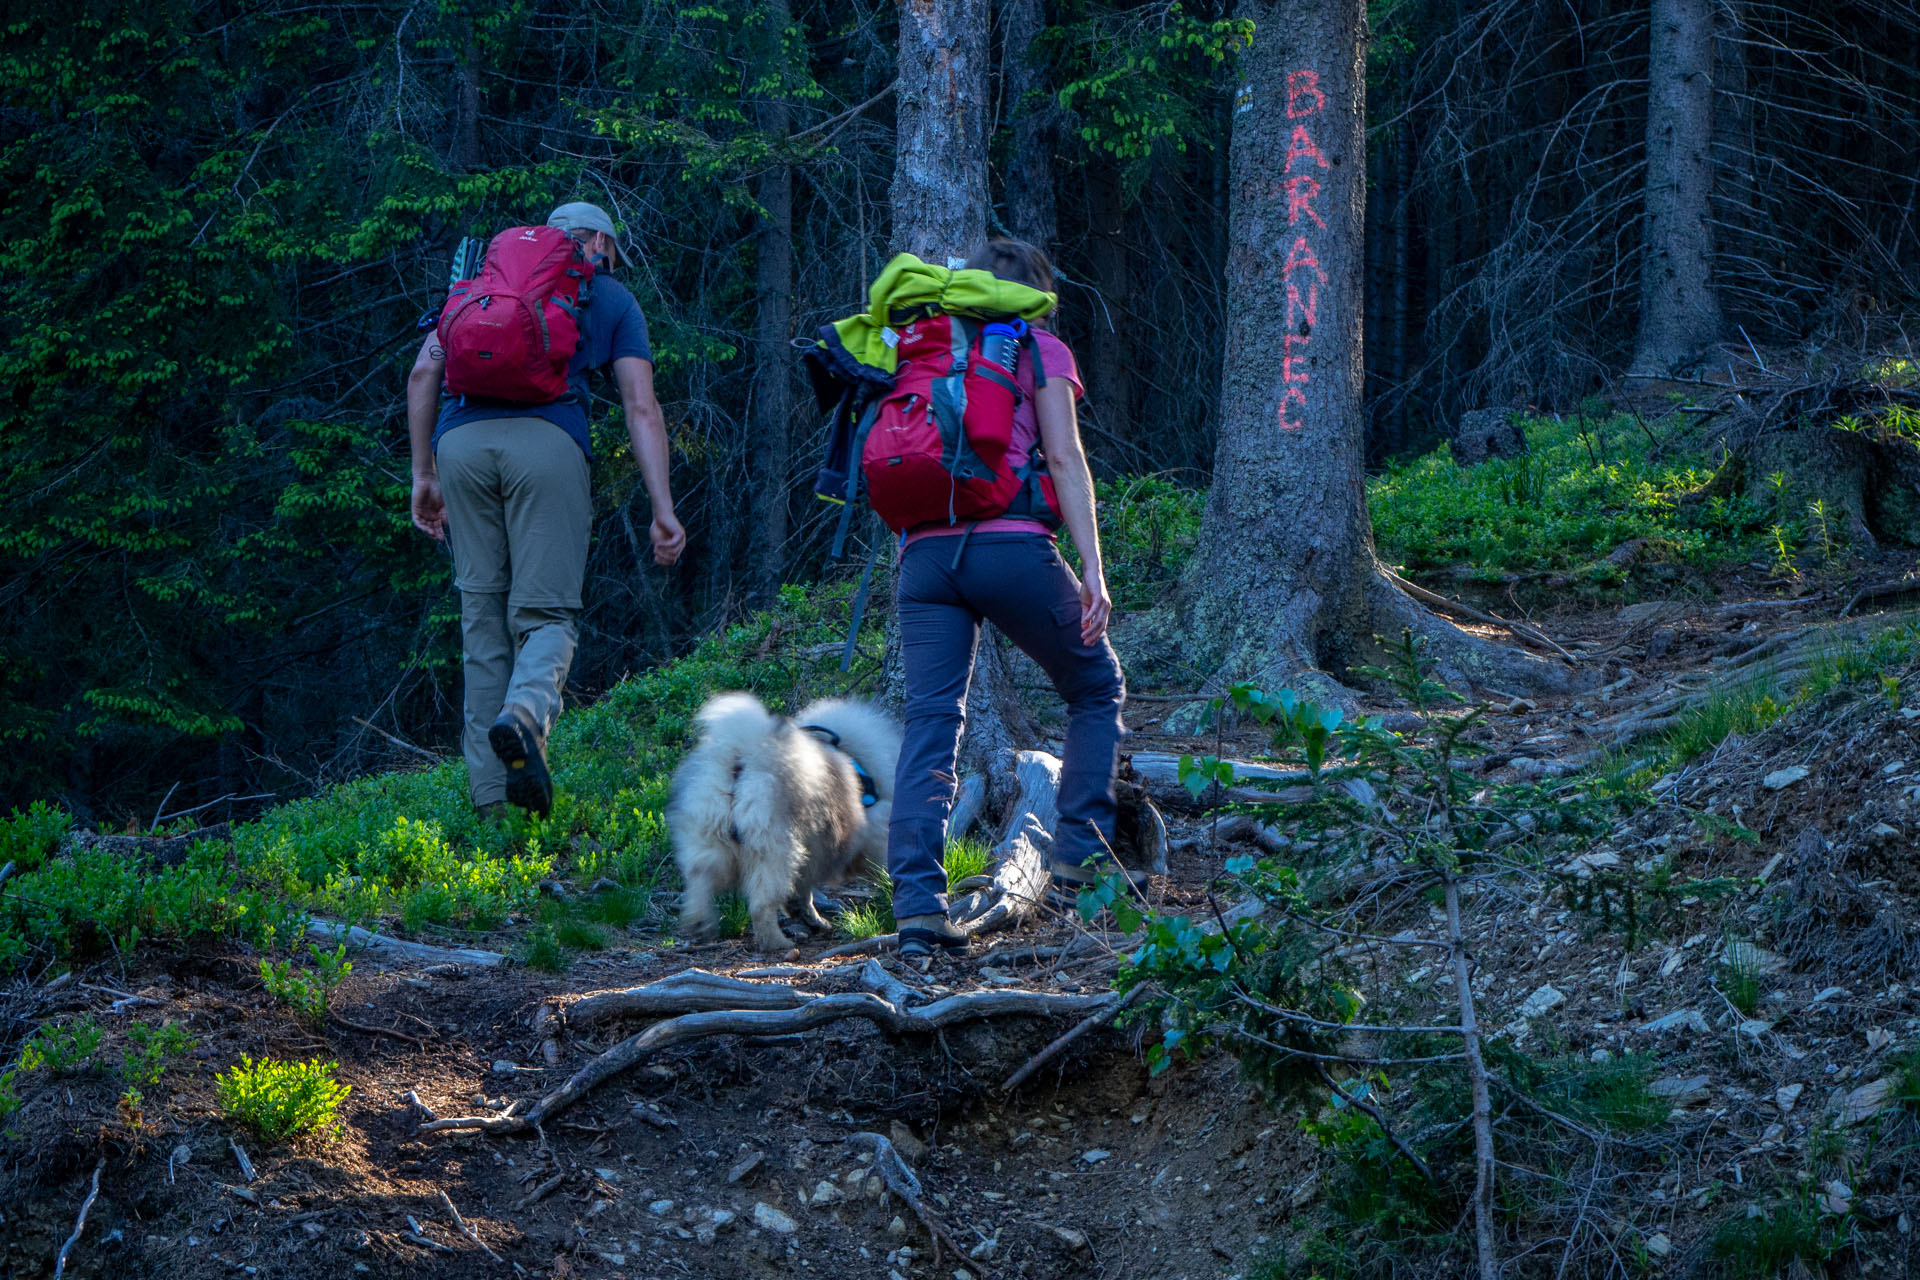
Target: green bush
column 28, row 839
column 1577, row 496
column 307, row 991
column 1149, row 527
column 63, row 1048
column 153, row 1048
column 280, row 1100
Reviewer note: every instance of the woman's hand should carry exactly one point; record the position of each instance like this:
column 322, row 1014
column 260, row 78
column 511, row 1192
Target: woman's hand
column 1095, row 608
column 429, row 508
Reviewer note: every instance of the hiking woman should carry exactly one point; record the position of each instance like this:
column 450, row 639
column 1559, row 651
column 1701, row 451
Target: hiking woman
column 1007, row 571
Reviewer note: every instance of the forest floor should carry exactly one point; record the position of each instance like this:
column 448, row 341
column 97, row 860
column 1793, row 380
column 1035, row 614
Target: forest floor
column 1777, row 1043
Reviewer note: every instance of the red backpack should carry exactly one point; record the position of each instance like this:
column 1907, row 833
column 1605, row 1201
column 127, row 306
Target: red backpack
column 511, row 331
column 934, row 447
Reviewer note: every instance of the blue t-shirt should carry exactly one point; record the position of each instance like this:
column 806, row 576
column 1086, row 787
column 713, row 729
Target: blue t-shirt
column 615, row 328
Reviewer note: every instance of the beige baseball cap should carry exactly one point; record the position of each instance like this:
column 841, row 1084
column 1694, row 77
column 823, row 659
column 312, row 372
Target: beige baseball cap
column 581, row 216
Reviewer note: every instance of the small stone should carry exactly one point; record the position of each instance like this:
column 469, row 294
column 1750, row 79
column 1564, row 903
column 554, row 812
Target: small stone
column 598, row 1207
column 768, row 1218
column 660, row 1208
column 911, row 1149
column 1828, row 993
column 1679, row 1019
column 1754, row 1028
column 1095, row 1156
column 897, row 1228
column 1070, row 1237
column 1658, row 1245
column 1878, row 1039
column 501, row 1067
column 1781, row 778
column 615, row 1259
column 182, row 1154
column 609, row 1176
column 1541, row 1001
column 1865, row 1102
column 1836, row 1197
column 1785, row 1096
column 1679, row 1091
column 1673, row 963
column 825, row 1192
column 745, row 1165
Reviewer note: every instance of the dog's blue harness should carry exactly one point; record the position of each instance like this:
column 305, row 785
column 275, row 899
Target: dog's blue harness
column 869, row 792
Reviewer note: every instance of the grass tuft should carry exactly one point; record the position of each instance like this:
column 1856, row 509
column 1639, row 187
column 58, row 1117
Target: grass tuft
column 967, row 858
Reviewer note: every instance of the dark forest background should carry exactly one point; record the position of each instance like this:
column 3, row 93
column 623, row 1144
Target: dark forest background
column 222, row 222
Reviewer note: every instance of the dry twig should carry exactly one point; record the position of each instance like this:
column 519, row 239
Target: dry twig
column 466, row 1230
column 79, row 1223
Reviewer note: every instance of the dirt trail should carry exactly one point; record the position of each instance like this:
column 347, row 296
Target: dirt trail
column 729, row 1157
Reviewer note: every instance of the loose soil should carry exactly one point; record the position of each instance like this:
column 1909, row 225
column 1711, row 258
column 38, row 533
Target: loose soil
column 1095, row 1168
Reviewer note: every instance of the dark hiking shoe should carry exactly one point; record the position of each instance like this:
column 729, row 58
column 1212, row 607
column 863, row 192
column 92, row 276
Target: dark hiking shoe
column 921, row 936
column 491, row 811
column 513, row 739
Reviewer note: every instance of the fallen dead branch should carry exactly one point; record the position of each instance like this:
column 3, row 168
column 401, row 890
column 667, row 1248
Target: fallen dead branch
column 367, row 1029
column 240, row 1158
column 79, row 1223
column 465, row 1230
column 542, row 1191
column 1081, row 1028
column 1521, row 631
column 378, row 943
column 814, row 1012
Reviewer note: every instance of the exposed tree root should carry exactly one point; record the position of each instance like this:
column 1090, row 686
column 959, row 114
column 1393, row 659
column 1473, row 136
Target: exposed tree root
column 689, row 991
column 901, row 1181
column 1521, row 631
column 1081, row 1028
column 379, row 944
column 810, row 1012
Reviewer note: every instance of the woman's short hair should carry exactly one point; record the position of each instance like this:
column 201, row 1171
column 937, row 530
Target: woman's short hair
column 1015, row 260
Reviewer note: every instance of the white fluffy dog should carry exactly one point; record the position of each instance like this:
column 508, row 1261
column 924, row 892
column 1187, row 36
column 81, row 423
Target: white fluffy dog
column 774, row 807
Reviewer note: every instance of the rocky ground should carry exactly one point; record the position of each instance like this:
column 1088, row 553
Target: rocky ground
column 1768, row 978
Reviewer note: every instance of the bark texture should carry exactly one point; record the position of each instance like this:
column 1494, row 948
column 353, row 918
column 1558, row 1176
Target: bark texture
column 1031, row 213
column 1285, row 583
column 939, row 192
column 1679, row 311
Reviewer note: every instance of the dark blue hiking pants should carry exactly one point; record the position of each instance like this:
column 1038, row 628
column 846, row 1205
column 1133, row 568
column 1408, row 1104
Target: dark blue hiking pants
column 1019, row 583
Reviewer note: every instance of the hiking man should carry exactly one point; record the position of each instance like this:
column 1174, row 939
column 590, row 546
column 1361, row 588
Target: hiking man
column 506, row 484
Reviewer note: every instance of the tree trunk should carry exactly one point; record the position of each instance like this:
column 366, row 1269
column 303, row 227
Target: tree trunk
column 1108, row 359
column 940, row 213
column 940, row 169
column 1679, row 311
column 1284, row 582
column 771, row 421
column 1032, row 214
column 466, row 107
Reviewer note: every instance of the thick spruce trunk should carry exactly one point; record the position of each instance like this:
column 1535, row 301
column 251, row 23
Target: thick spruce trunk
column 1679, row 310
column 939, row 202
column 1284, row 586
column 939, row 192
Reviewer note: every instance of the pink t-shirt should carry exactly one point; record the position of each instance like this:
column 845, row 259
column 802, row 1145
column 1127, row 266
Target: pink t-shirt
column 1058, row 360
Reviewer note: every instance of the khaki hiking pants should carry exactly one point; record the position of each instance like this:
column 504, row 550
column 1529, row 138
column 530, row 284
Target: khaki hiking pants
column 519, row 513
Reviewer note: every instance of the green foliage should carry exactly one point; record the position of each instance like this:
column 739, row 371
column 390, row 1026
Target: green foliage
column 874, row 917
column 1610, row 1095
column 540, row 949
column 734, row 915
column 28, row 839
column 964, row 859
column 1790, row 1231
column 1137, row 77
column 1577, row 496
column 1739, row 708
column 307, row 991
column 63, row 1048
column 281, row 1100
column 152, row 1049
column 1739, row 978
column 1148, row 529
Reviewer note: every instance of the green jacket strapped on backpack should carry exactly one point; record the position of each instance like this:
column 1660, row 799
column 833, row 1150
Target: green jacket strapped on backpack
column 909, row 289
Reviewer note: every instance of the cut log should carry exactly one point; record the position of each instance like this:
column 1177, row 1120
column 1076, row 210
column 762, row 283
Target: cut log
column 689, row 991
column 158, row 851
column 381, row 945
column 1019, row 882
